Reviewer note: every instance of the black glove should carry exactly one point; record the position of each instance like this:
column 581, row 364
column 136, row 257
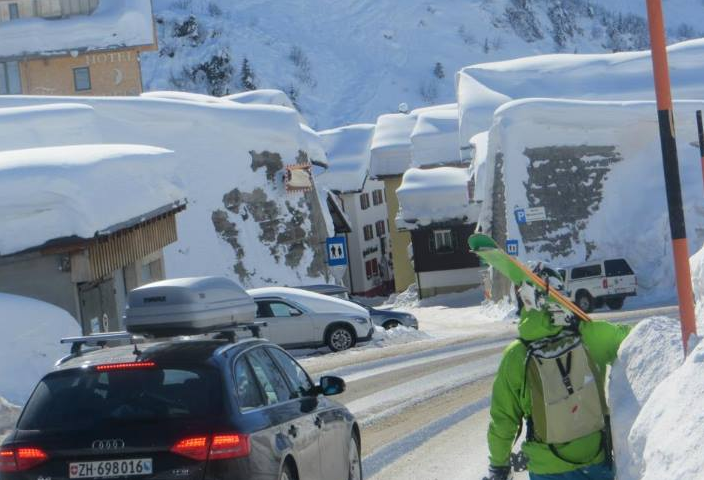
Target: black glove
column 498, row 473
column 519, row 462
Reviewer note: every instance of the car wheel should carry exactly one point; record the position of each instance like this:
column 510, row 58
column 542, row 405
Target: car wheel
column 340, row 338
column 585, row 302
column 615, row 303
column 287, row 474
column 355, row 465
column 391, row 324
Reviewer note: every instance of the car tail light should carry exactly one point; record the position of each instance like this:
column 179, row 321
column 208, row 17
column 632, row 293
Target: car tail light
column 605, row 283
column 21, row 458
column 229, row 446
column 216, row 447
column 110, row 367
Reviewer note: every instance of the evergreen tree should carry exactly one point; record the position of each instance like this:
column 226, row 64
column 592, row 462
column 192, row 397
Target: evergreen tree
column 247, row 76
column 439, row 70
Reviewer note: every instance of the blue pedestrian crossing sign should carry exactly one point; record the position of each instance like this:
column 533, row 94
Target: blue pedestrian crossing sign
column 337, row 251
column 512, row 247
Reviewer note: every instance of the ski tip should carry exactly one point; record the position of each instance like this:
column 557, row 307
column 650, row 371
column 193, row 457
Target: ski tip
column 479, row 241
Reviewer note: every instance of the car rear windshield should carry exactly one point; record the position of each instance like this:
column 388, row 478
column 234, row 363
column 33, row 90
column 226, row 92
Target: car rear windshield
column 617, row 268
column 586, row 271
column 74, row 399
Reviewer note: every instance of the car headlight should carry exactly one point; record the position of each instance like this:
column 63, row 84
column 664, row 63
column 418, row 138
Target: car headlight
column 361, row 321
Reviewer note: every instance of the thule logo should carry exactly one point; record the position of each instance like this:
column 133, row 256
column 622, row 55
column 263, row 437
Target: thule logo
column 154, row 299
column 113, row 444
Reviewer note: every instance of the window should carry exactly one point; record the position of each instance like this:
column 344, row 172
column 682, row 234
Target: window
column 586, row 272
column 14, row 11
column 443, row 241
column 270, row 378
column 269, row 309
column 10, row 80
column 364, row 201
column 378, row 197
column 81, row 79
column 372, row 268
column 295, row 374
column 380, row 228
column 617, row 268
column 248, row 394
column 368, row 232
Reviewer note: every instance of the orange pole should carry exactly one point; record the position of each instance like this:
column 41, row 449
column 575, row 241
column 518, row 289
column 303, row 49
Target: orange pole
column 673, row 184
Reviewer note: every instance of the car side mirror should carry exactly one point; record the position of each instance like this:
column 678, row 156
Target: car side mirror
column 331, row 386
column 294, row 313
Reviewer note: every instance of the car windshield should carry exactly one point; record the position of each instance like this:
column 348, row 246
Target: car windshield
column 83, row 398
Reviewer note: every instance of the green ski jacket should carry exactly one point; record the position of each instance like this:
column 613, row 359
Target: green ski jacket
column 511, row 402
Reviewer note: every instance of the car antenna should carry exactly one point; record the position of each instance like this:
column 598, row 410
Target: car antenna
column 137, row 352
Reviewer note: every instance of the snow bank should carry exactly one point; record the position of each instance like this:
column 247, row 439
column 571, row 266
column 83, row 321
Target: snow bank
column 348, row 152
column 433, row 196
column 434, row 138
column 391, row 146
column 55, row 192
column 8, row 416
column 113, row 24
column 241, row 221
column 482, row 88
column 596, row 167
column 29, row 345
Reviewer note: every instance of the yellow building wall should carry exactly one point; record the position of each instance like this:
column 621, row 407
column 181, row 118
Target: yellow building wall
column 404, row 275
column 111, row 73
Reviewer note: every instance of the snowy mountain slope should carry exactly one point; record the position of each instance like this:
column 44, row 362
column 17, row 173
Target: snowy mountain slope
column 348, row 61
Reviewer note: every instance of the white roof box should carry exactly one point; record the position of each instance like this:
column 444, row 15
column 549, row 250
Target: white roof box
column 188, row 306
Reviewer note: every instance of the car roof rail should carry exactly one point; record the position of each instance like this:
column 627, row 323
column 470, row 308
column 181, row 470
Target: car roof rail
column 99, row 340
column 230, row 333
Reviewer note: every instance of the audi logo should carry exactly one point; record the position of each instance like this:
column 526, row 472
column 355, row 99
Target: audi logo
column 114, row 444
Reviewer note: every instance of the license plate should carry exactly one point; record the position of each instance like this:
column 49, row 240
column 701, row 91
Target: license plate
column 110, row 468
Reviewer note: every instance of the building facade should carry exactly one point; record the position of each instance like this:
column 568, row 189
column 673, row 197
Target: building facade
column 370, row 272
column 73, row 47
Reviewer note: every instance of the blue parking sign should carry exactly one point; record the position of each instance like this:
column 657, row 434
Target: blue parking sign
column 520, row 215
column 512, row 247
column 337, row 251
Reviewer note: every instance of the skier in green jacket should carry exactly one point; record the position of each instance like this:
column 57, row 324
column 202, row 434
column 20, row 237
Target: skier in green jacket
column 515, row 392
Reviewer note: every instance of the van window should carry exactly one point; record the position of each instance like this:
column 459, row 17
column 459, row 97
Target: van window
column 586, row 271
column 617, row 268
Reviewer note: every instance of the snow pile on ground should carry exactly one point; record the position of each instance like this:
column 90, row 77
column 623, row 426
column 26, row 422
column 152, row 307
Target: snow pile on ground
column 395, row 336
column 352, row 61
column 112, row 24
column 655, row 400
column 241, row 221
column 56, row 192
column 348, row 153
column 8, row 416
column 596, row 168
column 434, row 138
column 29, row 345
column 433, row 196
column 483, row 88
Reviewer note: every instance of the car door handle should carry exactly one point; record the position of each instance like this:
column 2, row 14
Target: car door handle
column 318, row 422
column 293, row 431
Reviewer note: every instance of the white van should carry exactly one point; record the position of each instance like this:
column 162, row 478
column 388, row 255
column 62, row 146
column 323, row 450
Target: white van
column 593, row 284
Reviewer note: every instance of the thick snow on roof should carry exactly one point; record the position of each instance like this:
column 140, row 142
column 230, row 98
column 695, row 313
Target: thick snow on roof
column 478, row 168
column 265, row 96
column 185, row 96
column 240, row 221
column 29, row 344
column 56, row 192
column 482, row 88
column 391, row 146
column 314, row 301
column 597, row 169
column 348, row 152
column 435, row 138
column 433, row 196
column 313, row 145
column 113, row 24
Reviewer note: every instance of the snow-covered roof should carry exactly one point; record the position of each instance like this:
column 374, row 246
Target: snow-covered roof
column 313, row 145
column 436, row 195
column 56, row 192
column 348, row 152
column 185, row 96
column 482, row 88
column 262, row 97
column 391, row 146
column 314, row 301
column 29, row 344
column 123, row 23
column 478, row 167
column 435, row 138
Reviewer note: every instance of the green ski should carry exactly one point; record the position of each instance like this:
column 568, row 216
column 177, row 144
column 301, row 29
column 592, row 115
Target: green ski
column 487, row 249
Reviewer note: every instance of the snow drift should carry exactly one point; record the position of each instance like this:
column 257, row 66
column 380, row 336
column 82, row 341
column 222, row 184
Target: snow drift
column 241, row 221
column 29, row 345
